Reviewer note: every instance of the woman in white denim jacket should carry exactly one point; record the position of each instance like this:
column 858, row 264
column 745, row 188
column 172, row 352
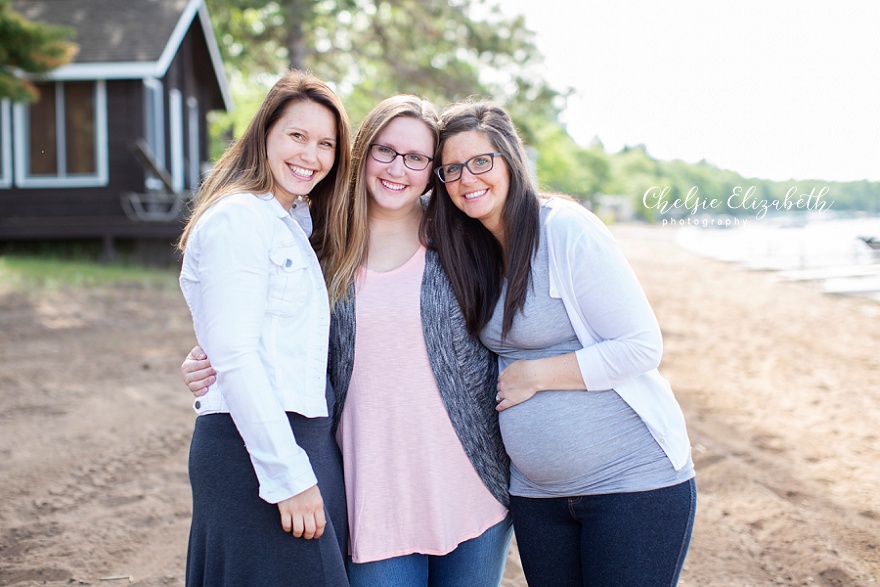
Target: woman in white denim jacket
column 268, row 500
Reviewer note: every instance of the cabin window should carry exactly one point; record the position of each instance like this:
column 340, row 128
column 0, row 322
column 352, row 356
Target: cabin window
column 61, row 139
column 154, row 123
column 175, row 122
column 5, row 144
column 154, row 129
column 193, row 159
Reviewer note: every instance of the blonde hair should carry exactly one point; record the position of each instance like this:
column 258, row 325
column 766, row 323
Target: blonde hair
column 244, row 167
column 341, row 265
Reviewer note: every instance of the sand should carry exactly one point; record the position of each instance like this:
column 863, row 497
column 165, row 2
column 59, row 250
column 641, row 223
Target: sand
column 780, row 385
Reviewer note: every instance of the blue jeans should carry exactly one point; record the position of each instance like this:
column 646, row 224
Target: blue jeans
column 478, row 562
column 615, row 540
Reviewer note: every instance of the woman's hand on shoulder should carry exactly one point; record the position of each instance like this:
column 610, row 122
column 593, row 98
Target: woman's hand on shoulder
column 197, row 372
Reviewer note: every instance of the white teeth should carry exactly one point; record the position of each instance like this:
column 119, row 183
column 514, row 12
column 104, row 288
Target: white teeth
column 302, row 172
column 397, row 187
column 472, row 195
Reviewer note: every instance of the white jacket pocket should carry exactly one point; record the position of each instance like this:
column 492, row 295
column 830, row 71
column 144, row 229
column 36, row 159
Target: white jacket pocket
column 289, row 282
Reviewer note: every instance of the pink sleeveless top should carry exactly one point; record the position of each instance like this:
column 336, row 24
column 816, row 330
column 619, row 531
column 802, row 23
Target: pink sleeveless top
column 409, row 484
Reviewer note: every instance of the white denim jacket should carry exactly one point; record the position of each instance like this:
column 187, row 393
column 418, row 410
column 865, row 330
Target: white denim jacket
column 613, row 321
column 261, row 313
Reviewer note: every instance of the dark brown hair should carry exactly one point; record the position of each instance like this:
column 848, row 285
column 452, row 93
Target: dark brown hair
column 472, row 257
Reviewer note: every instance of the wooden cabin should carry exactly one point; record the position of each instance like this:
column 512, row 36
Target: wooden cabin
column 118, row 139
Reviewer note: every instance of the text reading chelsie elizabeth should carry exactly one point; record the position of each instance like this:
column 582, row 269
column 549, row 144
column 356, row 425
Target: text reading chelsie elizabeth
column 739, row 199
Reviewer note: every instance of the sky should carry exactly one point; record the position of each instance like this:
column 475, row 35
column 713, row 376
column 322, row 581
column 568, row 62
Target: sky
column 773, row 89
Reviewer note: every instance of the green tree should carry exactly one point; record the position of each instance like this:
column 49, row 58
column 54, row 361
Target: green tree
column 564, row 166
column 371, row 49
column 633, row 171
column 29, row 47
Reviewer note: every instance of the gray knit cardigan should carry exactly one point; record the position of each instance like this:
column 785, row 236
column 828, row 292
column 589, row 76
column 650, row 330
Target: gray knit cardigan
column 466, row 373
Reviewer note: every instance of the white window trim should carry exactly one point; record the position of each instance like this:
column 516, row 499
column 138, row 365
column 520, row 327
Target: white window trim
column 192, row 119
column 6, row 143
column 175, row 120
column 101, row 176
column 156, row 118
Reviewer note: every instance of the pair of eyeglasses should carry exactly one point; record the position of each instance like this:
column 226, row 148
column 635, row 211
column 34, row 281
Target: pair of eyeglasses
column 414, row 161
column 476, row 165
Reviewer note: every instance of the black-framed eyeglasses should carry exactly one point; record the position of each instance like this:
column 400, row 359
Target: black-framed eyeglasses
column 414, row 161
column 476, row 165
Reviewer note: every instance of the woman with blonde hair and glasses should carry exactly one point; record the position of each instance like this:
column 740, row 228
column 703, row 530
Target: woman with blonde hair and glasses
column 426, row 474
column 268, row 495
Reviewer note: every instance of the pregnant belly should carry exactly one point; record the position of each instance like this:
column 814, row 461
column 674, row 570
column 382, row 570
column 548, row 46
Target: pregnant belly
column 560, row 437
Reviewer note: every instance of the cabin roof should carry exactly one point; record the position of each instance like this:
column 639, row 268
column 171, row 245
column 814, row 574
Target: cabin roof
column 125, row 39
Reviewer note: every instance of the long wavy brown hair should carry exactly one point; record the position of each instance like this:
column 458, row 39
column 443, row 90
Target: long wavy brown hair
column 341, row 265
column 244, row 167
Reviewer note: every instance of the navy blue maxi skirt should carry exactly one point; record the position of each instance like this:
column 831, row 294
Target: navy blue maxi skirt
column 236, row 538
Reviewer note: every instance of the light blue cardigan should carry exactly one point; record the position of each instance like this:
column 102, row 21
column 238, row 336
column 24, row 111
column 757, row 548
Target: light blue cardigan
column 613, row 321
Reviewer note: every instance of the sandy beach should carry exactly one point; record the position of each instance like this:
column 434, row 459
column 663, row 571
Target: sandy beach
column 779, row 382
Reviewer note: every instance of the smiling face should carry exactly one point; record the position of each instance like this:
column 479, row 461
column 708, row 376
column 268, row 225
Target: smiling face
column 482, row 196
column 393, row 187
column 301, row 149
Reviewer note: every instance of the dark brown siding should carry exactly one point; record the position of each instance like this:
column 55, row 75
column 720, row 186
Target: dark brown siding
column 39, row 213
column 124, row 124
column 90, row 212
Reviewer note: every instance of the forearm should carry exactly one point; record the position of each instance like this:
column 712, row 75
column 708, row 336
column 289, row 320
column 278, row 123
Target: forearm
column 609, row 363
column 561, row 373
column 234, row 277
column 282, row 467
column 605, row 302
column 524, row 378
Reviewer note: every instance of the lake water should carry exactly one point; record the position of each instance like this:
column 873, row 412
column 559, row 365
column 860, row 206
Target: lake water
column 822, row 248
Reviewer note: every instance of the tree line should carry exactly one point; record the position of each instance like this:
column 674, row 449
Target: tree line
column 634, row 171
column 444, row 50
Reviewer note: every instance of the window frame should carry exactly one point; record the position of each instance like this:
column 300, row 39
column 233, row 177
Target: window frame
column 5, row 143
column 154, row 124
column 175, row 123
column 21, row 135
column 194, row 163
